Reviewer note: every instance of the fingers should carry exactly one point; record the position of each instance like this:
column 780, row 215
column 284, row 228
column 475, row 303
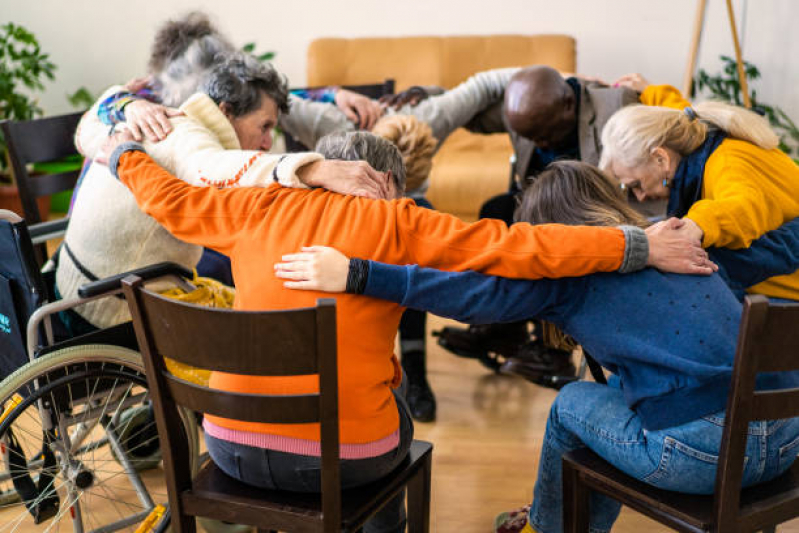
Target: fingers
column 172, row 112
column 295, row 257
column 351, row 114
column 135, row 130
column 307, row 285
column 293, row 275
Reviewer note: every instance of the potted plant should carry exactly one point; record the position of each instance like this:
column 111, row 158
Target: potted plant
column 23, row 68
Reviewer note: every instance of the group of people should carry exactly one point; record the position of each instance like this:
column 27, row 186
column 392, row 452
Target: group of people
column 184, row 176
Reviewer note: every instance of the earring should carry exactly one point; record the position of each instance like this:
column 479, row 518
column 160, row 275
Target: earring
column 666, row 183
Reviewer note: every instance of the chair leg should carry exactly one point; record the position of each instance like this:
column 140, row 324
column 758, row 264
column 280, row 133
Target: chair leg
column 419, row 498
column 575, row 501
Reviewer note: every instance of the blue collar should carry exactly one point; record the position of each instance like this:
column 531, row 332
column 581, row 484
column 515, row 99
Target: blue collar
column 686, row 187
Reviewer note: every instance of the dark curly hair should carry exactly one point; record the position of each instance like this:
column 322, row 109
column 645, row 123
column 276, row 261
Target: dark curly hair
column 175, row 36
column 239, row 79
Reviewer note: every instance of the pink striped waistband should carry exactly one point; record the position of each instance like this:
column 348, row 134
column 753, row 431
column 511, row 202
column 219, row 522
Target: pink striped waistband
column 297, row 446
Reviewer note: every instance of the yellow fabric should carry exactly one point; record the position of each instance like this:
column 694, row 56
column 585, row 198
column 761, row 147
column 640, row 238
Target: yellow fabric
column 746, row 192
column 664, row 96
column 469, row 168
column 209, row 293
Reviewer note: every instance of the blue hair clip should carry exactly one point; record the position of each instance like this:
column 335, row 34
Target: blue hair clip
column 690, row 113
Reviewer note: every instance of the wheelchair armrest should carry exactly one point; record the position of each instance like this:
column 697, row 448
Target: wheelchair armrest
column 111, row 283
column 44, row 231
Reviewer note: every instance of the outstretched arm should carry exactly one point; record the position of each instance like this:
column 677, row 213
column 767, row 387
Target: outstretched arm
column 455, row 108
column 465, row 296
column 774, row 254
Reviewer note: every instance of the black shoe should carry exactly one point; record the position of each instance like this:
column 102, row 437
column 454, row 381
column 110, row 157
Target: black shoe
column 420, row 398
column 477, row 341
column 548, row 367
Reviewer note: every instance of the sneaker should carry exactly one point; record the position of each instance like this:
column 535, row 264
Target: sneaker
column 516, row 521
column 477, row 341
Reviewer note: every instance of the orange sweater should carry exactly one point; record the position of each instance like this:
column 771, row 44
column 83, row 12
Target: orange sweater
column 255, row 226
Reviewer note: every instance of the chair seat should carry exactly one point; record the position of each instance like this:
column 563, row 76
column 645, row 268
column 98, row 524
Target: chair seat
column 690, row 511
column 219, row 496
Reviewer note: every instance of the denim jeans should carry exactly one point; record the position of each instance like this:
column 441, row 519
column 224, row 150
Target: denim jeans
column 272, row 469
column 681, row 458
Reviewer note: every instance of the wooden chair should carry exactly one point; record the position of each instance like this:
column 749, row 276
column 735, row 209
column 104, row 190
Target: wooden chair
column 38, row 141
column 372, row 90
column 276, row 343
column 768, row 341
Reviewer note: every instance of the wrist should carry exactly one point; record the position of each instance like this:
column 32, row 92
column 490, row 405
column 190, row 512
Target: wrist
column 357, row 276
column 308, row 174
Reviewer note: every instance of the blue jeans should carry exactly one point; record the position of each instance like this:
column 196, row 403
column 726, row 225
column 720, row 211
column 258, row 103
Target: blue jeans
column 271, row 469
column 681, row 458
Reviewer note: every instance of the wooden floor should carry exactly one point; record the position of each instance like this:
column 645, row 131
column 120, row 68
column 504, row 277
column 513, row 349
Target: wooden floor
column 487, row 443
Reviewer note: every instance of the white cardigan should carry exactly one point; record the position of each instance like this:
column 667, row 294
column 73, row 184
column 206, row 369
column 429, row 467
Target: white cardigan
column 107, row 232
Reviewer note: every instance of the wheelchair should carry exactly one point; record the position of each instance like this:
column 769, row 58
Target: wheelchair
column 78, row 442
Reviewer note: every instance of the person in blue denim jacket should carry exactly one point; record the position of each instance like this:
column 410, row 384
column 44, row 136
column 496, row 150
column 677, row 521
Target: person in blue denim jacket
column 669, row 339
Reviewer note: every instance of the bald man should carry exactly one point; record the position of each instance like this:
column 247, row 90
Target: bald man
column 548, row 117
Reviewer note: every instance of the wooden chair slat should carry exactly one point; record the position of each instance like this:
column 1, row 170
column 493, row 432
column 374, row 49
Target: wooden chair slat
column 295, row 409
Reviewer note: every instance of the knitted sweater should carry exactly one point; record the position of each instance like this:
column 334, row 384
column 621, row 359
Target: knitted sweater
column 746, row 191
column 109, row 234
column 255, row 227
column 670, row 338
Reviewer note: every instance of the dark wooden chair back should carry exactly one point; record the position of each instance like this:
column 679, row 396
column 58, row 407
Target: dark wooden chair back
column 268, row 343
column 39, row 141
column 372, row 90
column 768, row 341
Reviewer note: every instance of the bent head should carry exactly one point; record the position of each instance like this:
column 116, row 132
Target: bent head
column 381, row 155
column 541, row 106
column 416, row 144
column 576, row 194
column 643, row 145
column 251, row 94
column 183, row 53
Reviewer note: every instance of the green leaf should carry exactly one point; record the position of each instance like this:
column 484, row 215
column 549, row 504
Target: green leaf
column 249, row 47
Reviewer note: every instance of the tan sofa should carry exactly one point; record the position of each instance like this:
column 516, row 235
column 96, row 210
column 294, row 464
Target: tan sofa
column 469, row 168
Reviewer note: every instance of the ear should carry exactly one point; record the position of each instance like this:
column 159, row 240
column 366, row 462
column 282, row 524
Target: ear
column 226, row 109
column 661, row 158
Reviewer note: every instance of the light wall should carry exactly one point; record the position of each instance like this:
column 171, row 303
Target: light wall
column 96, row 43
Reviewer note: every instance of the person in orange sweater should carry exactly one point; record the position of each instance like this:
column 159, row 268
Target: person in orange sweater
column 257, row 226
column 718, row 165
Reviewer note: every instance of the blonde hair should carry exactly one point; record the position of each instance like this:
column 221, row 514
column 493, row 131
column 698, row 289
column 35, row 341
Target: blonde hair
column 415, row 142
column 633, row 132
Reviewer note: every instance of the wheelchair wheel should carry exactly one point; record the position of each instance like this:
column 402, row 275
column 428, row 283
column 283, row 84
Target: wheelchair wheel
column 75, row 436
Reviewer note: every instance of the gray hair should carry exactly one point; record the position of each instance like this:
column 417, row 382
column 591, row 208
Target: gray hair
column 184, row 52
column 239, row 79
column 381, row 154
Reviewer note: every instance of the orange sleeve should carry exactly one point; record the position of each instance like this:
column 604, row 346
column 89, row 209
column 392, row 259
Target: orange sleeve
column 664, row 96
column 205, row 216
column 520, row 251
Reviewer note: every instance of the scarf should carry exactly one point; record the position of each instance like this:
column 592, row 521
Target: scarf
column 686, row 187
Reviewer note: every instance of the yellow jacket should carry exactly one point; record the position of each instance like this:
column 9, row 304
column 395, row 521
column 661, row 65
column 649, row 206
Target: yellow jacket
column 746, row 192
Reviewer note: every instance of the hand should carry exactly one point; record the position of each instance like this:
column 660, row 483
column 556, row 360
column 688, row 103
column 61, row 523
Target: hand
column 633, row 81
column 411, row 96
column 355, row 178
column 149, row 119
column 359, row 109
column 670, row 250
column 111, row 144
column 317, row 268
column 691, row 230
column 137, row 84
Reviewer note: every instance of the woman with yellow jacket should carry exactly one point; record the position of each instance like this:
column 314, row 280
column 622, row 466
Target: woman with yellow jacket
column 718, row 165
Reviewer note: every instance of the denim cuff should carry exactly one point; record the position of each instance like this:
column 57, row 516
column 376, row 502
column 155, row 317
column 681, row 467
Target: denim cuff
column 636, row 249
column 129, row 146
